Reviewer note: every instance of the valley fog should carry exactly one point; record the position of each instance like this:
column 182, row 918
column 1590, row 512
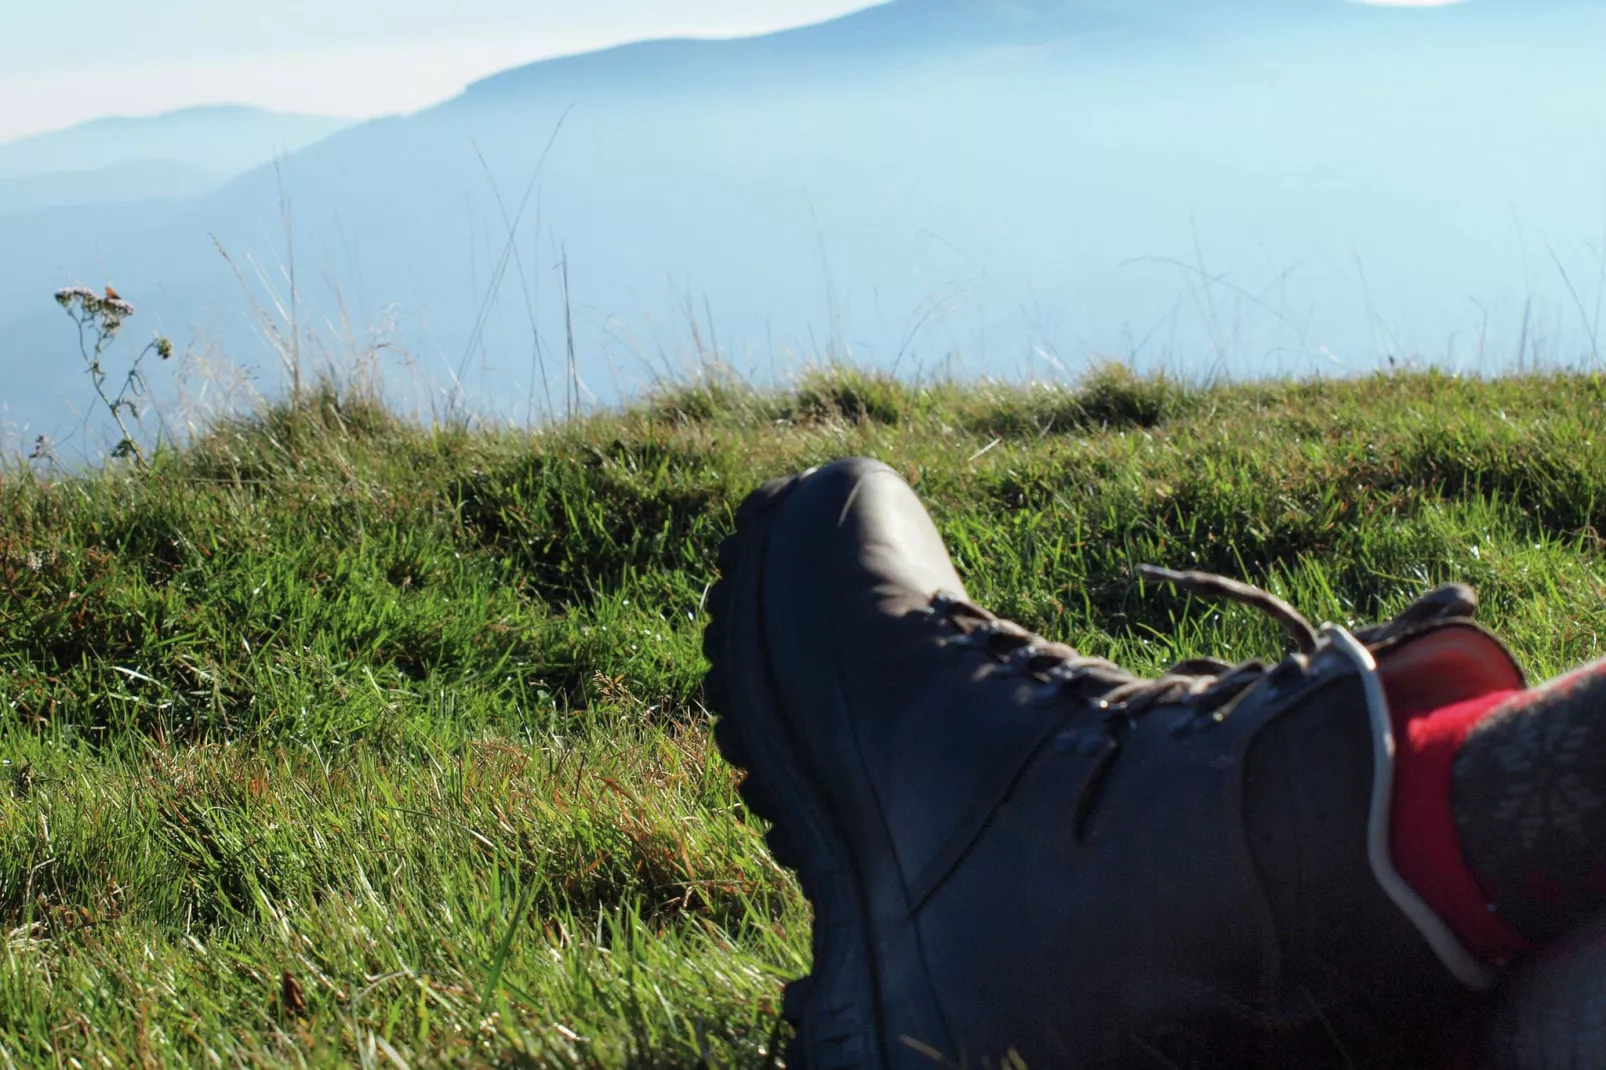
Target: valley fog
column 1322, row 191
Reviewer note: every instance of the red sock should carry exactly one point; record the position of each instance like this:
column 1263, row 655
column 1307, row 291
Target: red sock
column 1422, row 833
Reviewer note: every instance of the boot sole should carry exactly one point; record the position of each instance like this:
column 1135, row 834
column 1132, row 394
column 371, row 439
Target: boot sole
column 834, row 1010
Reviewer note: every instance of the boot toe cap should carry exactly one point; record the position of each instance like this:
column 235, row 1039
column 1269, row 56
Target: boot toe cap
column 856, row 525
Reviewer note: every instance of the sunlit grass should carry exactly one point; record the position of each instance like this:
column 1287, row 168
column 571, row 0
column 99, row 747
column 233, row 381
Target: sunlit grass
column 333, row 739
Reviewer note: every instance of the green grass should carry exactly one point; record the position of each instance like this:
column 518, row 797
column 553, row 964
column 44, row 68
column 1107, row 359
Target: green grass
column 336, row 740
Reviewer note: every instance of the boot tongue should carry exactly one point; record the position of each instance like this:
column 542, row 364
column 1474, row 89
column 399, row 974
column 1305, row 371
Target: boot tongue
column 1442, row 603
column 1450, row 600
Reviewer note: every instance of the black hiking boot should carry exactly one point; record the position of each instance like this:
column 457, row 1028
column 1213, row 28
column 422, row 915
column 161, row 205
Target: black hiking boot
column 1016, row 852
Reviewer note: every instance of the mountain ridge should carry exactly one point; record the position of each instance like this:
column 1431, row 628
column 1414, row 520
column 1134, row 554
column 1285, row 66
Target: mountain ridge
column 900, row 29
column 221, row 138
column 128, row 183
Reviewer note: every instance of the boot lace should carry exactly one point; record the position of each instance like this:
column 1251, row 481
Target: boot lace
column 1203, row 685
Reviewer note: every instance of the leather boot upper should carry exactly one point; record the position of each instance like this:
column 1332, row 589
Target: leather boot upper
column 1099, row 869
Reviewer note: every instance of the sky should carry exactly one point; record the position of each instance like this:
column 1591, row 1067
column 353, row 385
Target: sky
column 357, row 58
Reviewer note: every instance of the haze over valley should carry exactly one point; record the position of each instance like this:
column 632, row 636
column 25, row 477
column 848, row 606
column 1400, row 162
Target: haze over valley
column 928, row 186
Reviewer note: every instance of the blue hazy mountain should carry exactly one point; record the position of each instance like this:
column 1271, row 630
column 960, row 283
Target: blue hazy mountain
column 221, row 141
column 931, row 185
column 897, row 31
column 120, row 184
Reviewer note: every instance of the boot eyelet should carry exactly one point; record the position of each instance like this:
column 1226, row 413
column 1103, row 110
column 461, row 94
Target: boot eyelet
column 1195, row 721
column 1021, row 657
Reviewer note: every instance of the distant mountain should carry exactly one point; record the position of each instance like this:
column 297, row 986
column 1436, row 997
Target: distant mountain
column 886, row 33
column 221, row 140
column 120, row 184
column 903, row 30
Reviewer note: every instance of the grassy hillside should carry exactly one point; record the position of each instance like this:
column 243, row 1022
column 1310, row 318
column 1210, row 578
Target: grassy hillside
column 333, row 739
